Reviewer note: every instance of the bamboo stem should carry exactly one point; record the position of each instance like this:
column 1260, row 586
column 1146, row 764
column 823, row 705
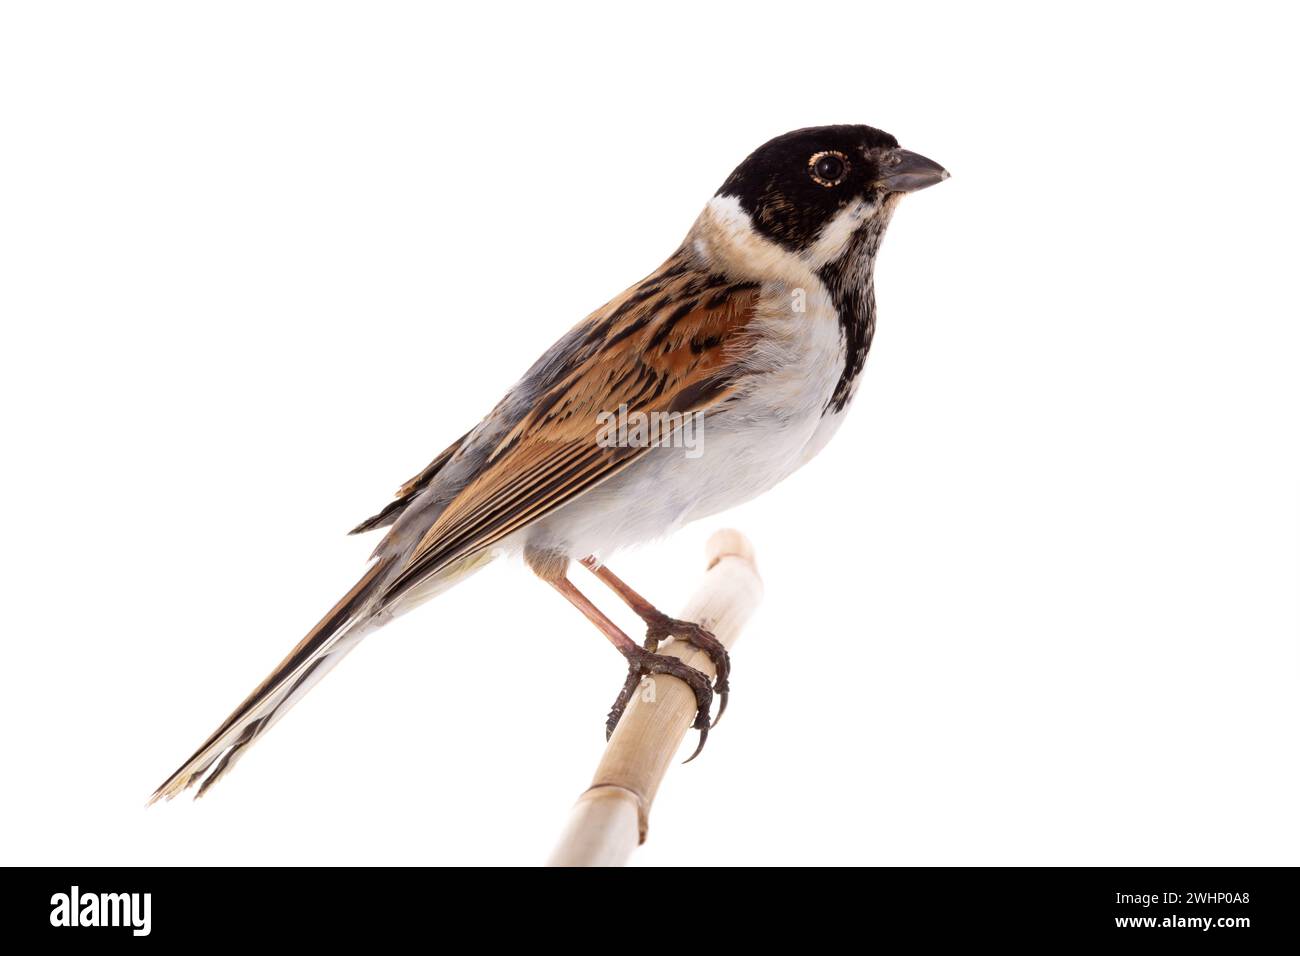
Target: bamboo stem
column 610, row 819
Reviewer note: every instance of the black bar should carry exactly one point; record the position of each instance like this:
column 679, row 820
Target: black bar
column 1232, row 907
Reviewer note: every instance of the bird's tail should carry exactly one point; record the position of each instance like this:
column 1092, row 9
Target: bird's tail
column 326, row 644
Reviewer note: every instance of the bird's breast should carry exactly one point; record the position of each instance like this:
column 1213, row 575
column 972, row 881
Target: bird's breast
column 801, row 350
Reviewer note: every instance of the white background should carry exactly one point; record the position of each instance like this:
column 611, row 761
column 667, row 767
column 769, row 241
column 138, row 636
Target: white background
column 1037, row 603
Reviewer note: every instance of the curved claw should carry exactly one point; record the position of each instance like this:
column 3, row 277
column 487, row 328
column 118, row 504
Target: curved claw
column 723, row 693
column 704, row 735
column 703, row 725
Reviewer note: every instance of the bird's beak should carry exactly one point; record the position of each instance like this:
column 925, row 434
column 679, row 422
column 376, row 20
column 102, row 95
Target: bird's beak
column 904, row 171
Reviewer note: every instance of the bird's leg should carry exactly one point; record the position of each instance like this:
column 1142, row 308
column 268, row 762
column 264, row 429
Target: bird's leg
column 641, row 662
column 660, row 626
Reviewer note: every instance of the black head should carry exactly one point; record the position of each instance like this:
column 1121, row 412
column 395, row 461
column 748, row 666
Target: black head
column 792, row 186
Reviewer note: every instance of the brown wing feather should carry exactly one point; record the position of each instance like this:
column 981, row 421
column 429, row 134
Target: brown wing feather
column 671, row 344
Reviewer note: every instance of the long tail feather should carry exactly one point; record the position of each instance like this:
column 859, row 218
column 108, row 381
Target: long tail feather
column 323, row 647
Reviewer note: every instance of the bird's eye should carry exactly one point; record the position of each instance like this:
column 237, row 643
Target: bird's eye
column 828, row 168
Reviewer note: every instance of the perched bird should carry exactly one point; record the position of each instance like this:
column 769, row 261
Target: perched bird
column 749, row 340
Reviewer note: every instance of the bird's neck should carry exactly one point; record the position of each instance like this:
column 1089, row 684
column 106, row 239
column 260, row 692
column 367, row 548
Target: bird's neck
column 850, row 280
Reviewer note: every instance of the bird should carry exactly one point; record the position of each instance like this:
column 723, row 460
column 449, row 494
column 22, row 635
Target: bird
column 700, row 387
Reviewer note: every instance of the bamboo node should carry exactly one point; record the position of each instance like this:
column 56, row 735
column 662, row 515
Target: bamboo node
column 642, row 805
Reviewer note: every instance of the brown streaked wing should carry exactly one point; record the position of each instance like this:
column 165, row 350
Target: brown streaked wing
column 679, row 352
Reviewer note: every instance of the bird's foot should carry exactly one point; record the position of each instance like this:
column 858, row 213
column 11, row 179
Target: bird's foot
column 646, row 663
column 661, row 627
